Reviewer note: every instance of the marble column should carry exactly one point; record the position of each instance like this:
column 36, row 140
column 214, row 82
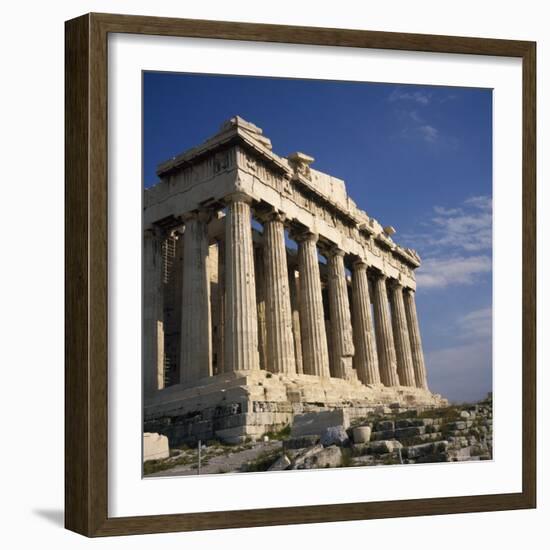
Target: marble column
column 294, row 304
column 241, row 320
column 405, row 369
column 384, row 334
column 221, row 306
column 340, row 316
column 153, row 327
column 416, row 342
column 259, row 275
column 278, row 313
column 196, row 327
column 366, row 359
column 312, row 319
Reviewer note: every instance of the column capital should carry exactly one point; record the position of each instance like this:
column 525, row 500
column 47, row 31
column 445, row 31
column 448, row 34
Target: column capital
column 377, row 274
column 394, row 284
column 273, row 215
column 360, row 264
column 201, row 214
column 305, row 236
column 238, row 196
column 333, row 251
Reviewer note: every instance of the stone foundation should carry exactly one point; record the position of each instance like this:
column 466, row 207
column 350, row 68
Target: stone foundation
column 237, row 406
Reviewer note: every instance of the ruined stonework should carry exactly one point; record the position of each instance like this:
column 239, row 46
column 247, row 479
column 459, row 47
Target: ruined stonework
column 242, row 331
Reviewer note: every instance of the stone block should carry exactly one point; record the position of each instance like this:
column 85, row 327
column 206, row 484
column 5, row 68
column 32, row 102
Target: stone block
column 384, row 426
column 364, row 460
column 413, row 431
column 301, row 442
column 360, row 449
column 386, row 434
column 315, row 423
column 361, row 434
column 155, row 446
column 381, row 409
column 282, row 463
column 384, row 447
column 458, row 425
column 335, row 435
column 403, row 423
column 415, row 451
column 327, row 457
column 301, row 457
column 423, row 422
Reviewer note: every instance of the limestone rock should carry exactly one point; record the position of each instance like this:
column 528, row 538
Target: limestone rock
column 458, row 425
column 384, row 434
column 404, row 433
column 405, row 423
column 315, row 423
column 282, row 463
column 384, row 446
column 415, row 451
column 155, row 446
column 381, row 409
column 301, row 442
column 363, row 460
column 301, row 457
column 384, row 426
column 360, row 449
column 335, row 435
column 325, row 457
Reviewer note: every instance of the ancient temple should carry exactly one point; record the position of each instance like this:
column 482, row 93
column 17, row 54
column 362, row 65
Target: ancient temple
column 268, row 292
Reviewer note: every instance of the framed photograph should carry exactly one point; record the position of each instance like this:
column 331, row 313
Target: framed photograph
column 300, row 275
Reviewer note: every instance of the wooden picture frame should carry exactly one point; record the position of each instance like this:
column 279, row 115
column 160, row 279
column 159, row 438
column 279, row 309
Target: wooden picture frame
column 86, row 283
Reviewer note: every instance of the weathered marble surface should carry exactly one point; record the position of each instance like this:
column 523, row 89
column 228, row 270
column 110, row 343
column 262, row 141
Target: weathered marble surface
column 242, row 332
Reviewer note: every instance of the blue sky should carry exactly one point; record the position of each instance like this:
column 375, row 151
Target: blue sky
column 415, row 157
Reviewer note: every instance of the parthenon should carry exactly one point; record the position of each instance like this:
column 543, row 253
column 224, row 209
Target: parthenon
column 268, row 292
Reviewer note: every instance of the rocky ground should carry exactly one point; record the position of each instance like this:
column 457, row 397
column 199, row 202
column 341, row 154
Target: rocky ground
column 387, row 436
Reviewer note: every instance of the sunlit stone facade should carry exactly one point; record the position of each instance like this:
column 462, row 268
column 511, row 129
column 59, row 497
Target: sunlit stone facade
column 267, row 292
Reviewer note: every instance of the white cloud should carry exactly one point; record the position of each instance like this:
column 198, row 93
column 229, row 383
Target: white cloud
column 442, row 211
column 418, row 96
column 429, row 133
column 477, row 324
column 443, row 272
column 454, row 231
column 482, row 202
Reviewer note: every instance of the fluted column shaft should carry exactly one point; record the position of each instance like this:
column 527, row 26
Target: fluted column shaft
column 259, row 275
column 340, row 316
column 153, row 328
column 278, row 313
column 366, row 359
column 294, row 304
column 241, row 321
column 221, row 306
column 416, row 342
column 405, row 369
column 196, row 330
column 312, row 319
column 384, row 334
